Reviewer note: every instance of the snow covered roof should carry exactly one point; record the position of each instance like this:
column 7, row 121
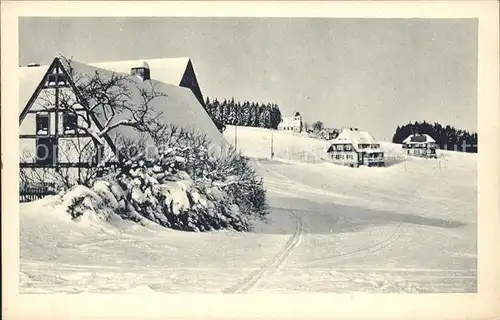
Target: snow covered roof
column 418, row 138
column 29, row 78
column 167, row 70
column 180, row 107
column 355, row 137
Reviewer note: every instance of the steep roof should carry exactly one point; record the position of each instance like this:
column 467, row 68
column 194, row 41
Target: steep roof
column 180, row 107
column 418, row 138
column 355, row 137
column 167, row 70
column 29, row 78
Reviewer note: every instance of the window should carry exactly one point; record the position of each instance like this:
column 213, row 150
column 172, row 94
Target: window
column 42, row 124
column 141, row 72
column 55, row 78
column 46, row 150
column 69, row 122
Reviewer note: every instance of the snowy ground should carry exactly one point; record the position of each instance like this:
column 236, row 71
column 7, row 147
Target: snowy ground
column 408, row 227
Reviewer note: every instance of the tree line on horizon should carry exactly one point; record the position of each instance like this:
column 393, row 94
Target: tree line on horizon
column 447, row 137
column 249, row 114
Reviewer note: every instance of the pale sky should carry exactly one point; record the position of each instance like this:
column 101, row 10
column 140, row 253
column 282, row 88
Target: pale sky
column 369, row 73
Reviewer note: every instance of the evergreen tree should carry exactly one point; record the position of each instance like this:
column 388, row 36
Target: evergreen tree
column 244, row 114
column 447, row 137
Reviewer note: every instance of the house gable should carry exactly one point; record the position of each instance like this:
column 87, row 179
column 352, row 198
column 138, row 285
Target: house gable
column 54, row 66
column 189, row 81
column 56, row 78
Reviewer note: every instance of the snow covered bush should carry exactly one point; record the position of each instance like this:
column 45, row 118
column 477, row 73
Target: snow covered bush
column 188, row 186
column 183, row 185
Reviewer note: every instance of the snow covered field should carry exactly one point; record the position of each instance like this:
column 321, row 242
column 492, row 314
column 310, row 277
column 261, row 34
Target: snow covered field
column 408, row 227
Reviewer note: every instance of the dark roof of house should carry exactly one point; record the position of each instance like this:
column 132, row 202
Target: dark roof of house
column 418, row 139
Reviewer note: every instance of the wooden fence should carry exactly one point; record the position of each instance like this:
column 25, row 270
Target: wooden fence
column 29, row 193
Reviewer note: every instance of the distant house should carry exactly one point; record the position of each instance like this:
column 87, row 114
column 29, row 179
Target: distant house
column 354, row 148
column 50, row 134
column 327, row 134
column 292, row 124
column 420, row 145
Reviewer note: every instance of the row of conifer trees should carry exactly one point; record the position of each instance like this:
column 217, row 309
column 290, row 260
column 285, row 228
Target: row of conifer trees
column 251, row 114
column 447, row 137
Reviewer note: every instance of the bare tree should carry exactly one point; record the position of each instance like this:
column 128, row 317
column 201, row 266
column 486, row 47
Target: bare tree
column 102, row 101
column 106, row 96
column 317, row 126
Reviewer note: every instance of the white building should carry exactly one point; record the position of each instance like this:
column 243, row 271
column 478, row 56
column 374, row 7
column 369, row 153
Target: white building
column 354, row 148
column 420, row 145
column 293, row 124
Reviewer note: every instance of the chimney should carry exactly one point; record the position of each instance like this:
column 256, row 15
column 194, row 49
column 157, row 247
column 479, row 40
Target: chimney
column 142, row 72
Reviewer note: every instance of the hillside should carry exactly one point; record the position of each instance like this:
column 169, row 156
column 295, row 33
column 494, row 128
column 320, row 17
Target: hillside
column 257, row 143
column 408, row 227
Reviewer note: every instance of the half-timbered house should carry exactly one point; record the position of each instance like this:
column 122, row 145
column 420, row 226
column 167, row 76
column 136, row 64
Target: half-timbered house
column 51, row 137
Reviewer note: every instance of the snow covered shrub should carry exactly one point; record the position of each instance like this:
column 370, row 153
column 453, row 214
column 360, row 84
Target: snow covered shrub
column 227, row 169
column 234, row 175
column 81, row 200
column 187, row 186
column 182, row 185
column 162, row 191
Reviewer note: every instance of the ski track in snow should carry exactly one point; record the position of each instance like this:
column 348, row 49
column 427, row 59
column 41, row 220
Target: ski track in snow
column 330, row 229
column 371, row 249
column 253, row 279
